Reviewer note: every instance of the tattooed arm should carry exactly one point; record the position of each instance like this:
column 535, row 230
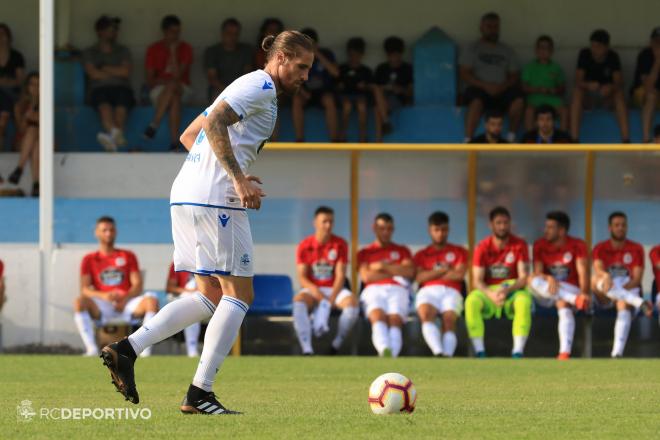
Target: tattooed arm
column 215, row 125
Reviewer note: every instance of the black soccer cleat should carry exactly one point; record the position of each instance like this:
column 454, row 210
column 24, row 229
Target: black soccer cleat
column 198, row 401
column 120, row 359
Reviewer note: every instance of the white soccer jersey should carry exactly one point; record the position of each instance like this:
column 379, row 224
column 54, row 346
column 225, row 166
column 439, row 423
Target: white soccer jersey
column 202, row 180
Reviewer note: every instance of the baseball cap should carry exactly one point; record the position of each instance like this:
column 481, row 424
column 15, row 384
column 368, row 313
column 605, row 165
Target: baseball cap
column 655, row 33
column 105, row 21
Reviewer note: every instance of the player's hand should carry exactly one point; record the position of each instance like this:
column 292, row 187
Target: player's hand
column 607, row 283
column 584, row 300
column 377, row 266
column 497, row 296
column 316, row 293
column 248, row 191
column 553, row 286
column 120, row 303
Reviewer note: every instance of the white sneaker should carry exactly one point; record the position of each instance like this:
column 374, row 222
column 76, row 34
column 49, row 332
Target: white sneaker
column 118, row 136
column 107, row 141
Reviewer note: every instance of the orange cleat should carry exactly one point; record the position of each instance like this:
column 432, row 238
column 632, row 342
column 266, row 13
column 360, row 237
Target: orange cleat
column 564, row 356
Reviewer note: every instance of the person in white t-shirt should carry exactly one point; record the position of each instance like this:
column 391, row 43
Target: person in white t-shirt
column 209, row 202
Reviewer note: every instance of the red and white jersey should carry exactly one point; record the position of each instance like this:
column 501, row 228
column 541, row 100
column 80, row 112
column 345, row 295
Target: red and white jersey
column 321, row 258
column 500, row 264
column 2, row 269
column 182, row 278
column 620, row 262
column 450, row 257
column 655, row 263
column 110, row 272
column 561, row 261
column 391, row 254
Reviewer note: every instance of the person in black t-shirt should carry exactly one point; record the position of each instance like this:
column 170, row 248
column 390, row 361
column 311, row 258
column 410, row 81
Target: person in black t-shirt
column 493, row 124
column 12, row 75
column 355, row 81
column 319, row 89
column 598, row 79
column 646, row 87
column 545, row 132
column 393, row 85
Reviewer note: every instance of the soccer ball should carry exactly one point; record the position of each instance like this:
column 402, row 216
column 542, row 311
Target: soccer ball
column 392, row 393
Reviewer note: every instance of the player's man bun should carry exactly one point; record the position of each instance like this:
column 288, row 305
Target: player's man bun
column 287, row 42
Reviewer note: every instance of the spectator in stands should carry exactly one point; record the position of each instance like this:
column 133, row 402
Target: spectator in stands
column 618, row 268
column 646, row 87
column 227, row 60
column 12, row 75
column 321, row 261
column 560, row 276
column 393, row 85
column 654, row 256
column 386, row 270
column 168, row 78
column 493, row 123
column 108, row 66
column 499, row 271
column 110, row 287
column 598, row 82
column 355, row 84
column 319, row 90
column 656, row 134
column 3, row 298
column 441, row 270
column 270, row 26
column 490, row 70
column 545, row 132
column 544, row 83
column 182, row 284
column 26, row 111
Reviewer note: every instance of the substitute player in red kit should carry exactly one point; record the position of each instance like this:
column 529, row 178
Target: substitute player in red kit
column 654, row 255
column 618, row 267
column 499, row 272
column 182, row 285
column 441, row 270
column 560, row 276
column 386, row 269
column 321, row 261
column 110, row 287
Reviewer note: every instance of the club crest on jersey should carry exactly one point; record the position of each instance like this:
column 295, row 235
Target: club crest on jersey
column 224, row 219
column 120, row 261
column 332, row 254
column 568, row 257
column 510, row 258
column 245, row 260
column 450, row 257
column 394, row 255
column 627, row 258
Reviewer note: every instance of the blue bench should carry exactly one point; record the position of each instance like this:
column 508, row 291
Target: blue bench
column 273, row 296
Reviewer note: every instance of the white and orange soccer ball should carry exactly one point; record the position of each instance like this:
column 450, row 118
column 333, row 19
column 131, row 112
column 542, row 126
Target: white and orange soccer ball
column 392, row 393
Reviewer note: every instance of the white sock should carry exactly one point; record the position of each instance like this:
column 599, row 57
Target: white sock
column 566, row 328
column 396, row 340
column 346, row 322
column 171, row 319
column 321, row 317
column 478, row 345
column 218, row 340
column 303, row 326
column 449, row 343
column 380, row 336
column 431, row 334
column 519, row 344
column 191, row 335
column 621, row 330
column 86, row 329
column 147, row 317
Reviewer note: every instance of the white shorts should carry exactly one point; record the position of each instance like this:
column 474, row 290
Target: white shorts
column 212, row 241
column 617, row 292
column 393, row 299
column 109, row 314
column 186, row 94
column 442, row 298
column 539, row 288
column 326, row 291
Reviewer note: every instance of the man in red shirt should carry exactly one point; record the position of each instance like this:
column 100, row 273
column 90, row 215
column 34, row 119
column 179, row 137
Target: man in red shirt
column 654, row 255
column 110, row 287
column 321, row 261
column 618, row 267
column 182, row 284
column 499, row 272
column 2, row 285
column 441, row 270
column 168, row 78
column 386, row 270
column 560, row 276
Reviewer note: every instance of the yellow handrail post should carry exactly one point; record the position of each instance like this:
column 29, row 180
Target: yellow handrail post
column 471, row 209
column 355, row 217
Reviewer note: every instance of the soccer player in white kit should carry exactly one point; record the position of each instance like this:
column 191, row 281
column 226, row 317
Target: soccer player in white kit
column 210, row 226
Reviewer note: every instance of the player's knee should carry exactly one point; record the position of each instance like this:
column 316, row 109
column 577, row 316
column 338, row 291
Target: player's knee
column 448, row 321
column 377, row 315
column 426, row 313
column 621, row 305
column 152, row 304
column 394, row 321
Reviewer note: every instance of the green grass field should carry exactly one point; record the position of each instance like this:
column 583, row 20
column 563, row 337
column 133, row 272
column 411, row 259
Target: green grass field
column 322, row 397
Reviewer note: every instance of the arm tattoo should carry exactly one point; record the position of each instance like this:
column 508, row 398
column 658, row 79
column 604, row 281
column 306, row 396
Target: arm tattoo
column 221, row 118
